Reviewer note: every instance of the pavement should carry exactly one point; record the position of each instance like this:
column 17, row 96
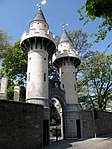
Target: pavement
column 103, row 142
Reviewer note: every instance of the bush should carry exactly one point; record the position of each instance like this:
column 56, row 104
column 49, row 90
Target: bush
column 55, row 132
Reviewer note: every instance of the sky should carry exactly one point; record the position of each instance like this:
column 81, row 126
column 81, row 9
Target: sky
column 16, row 15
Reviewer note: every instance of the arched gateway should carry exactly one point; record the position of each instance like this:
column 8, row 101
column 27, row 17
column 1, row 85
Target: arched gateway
column 56, row 92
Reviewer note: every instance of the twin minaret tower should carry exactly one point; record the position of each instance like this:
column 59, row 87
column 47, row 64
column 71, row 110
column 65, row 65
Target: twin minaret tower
column 39, row 43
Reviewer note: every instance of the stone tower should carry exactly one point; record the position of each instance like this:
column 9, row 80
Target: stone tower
column 67, row 60
column 38, row 43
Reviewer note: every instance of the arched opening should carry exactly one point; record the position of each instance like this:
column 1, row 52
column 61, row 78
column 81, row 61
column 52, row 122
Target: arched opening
column 56, row 119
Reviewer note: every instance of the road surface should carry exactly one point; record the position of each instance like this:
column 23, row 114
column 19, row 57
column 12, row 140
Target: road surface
column 104, row 142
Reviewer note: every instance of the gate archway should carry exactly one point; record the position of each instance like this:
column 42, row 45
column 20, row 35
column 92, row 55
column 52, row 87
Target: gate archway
column 56, row 92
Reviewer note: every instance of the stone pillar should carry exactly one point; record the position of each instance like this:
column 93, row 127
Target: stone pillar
column 3, row 91
column 16, row 93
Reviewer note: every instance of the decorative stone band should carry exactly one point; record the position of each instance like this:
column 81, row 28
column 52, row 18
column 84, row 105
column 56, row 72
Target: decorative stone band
column 66, row 53
column 43, row 34
column 72, row 107
column 39, row 101
column 35, row 42
column 61, row 57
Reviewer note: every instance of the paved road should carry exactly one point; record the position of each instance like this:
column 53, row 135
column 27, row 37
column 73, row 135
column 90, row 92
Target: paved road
column 104, row 142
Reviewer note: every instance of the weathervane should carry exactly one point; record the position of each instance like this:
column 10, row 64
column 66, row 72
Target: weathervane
column 39, row 5
column 64, row 24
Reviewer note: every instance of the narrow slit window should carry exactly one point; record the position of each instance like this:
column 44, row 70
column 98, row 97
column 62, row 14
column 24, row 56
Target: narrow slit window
column 44, row 76
column 28, row 76
column 31, row 46
column 63, row 85
column 75, row 87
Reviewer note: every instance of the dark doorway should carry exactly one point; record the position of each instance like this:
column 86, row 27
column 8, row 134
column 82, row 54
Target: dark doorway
column 78, row 129
column 46, row 132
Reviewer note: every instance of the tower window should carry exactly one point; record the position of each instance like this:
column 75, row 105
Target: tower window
column 75, row 87
column 44, row 76
column 44, row 58
column 63, row 85
column 45, row 25
column 28, row 76
column 31, row 46
column 30, row 58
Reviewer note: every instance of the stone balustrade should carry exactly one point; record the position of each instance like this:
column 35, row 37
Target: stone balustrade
column 41, row 33
column 65, row 53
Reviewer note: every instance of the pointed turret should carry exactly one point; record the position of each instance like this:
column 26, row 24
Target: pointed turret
column 39, row 43
column 39, row 28
column 65, row 37
column 66, row 51
column 39, row 16
column 67, row 60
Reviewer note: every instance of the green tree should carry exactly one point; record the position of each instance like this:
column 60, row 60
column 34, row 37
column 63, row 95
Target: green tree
column 99, row 8
column 94, row 9
column 52, row 70
column 4, row 42
column 14, row 65
column 95, row 81
column 80, row 40
column 54, row 114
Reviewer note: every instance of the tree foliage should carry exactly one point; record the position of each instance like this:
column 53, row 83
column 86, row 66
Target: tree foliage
column 52, row 70
column 80, row 40
column 95, row 80
column 4, row 42
column 99, row 8
column 14, row 65
column 94, row 9
column 55, row 118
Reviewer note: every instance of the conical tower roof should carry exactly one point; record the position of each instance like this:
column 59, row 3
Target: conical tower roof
column 65, row 37
column 39, row 16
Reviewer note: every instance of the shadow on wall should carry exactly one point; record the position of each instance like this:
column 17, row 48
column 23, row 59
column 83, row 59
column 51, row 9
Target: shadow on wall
column 99, row 126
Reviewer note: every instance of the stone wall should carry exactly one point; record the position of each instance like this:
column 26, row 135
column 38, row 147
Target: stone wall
column 21, row 125
column 104, row 123
column 89, row 126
